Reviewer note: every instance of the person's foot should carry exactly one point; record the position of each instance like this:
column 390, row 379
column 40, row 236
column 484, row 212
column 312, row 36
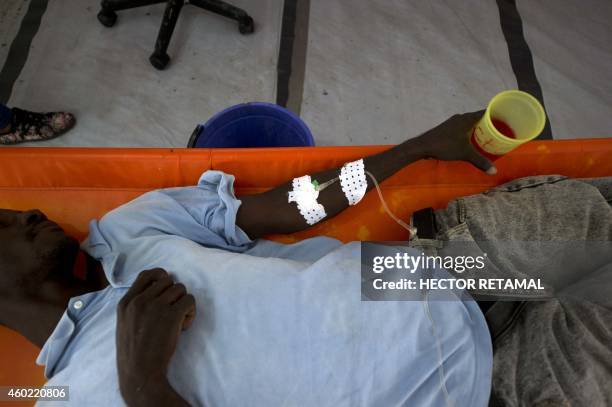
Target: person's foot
column 30, row 126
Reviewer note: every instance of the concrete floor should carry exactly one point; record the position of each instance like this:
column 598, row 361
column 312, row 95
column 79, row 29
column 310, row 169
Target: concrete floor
column 372, row 73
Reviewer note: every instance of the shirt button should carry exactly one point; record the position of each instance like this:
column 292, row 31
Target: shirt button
column 78, row 304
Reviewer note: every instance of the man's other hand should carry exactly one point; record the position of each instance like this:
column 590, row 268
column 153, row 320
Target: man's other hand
column 149, row 319
column 450, row 140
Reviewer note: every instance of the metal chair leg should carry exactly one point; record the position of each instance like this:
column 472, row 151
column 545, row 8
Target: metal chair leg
column 107, row 15
column 159, row 59
column 245, row 22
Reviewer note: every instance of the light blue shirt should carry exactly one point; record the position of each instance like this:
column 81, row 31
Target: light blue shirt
column 276, row 325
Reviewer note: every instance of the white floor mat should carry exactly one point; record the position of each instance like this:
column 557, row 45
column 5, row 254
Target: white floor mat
column 571, row 41
column 381, row 72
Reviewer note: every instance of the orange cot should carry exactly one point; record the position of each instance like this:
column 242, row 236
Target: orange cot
column 75, row 185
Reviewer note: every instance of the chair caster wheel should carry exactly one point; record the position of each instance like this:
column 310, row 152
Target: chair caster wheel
column 246, row 25
column 159, row 60
column 108, row 18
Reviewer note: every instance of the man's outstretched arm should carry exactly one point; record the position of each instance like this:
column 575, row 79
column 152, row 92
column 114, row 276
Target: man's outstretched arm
column 271, row 213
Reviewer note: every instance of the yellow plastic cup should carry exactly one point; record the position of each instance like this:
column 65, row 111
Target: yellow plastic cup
column 518, row 110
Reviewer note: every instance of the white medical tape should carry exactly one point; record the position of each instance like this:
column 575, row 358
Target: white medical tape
column 353, row 181
column 305, row 195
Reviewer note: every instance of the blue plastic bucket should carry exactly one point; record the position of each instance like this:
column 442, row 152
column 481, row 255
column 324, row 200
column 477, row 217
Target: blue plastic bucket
column 255, row 124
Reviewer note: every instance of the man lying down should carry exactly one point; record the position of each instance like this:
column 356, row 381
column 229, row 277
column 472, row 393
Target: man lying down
column 185, row 304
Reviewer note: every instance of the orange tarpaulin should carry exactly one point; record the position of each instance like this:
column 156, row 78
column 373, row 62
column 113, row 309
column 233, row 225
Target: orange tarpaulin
column 73, row 186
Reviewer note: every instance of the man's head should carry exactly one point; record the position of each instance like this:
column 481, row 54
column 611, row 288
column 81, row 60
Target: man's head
column 33, row 249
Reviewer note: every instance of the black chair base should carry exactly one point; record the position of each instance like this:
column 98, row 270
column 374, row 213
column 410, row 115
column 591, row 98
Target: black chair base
column 160, row 58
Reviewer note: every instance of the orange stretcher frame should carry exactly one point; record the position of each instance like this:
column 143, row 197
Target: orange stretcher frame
column 73, row 186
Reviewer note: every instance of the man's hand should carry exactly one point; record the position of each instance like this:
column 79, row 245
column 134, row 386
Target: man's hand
column 450, row 140
column 149, row 319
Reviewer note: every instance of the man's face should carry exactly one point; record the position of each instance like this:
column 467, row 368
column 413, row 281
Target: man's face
column 32, row 249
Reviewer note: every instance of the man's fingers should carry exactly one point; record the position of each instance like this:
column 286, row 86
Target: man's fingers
column 141, row 283
column 481, row 162
column 172, row 294
column 471, row 119
column 187, row 307
column 157, row 287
